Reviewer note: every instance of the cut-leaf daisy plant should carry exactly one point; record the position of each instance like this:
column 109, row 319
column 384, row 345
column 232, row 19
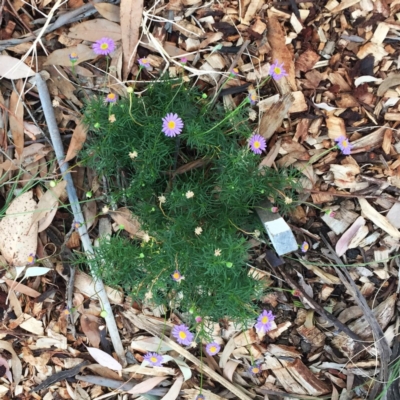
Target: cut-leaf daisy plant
column 182, row 334
column 277, row 71
column 264, row 322
column 104, row 46
column 185, row 170
column 344, row 145
column 154, row 359
column 257, row 144
column 172, row 125
column 213, row 348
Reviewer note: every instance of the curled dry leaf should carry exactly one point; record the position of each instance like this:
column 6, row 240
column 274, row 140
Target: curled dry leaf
column 147, row 385
column 95, row 29
column 130, row 223
column 48, row 201
column 90, row 327
column 343, row 243
column 18, row 232
column 186, row 371
column 105, row 359
column 175, row 389
column 14, row 68
column 16, row 118
column 77, row 141
column 4, row 363
column 61, row 56
column 378, row 219
column 110, row 11
column 131, row 18
column 16, row 363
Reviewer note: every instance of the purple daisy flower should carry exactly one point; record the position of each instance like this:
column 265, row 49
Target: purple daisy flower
column 264, row 322
column 274, row 209
column 213, row 348
column 31, row 259
column 172, row 125
column 198, row 319
column 254, row 369
column 73, row 57
column 257, row 144
column 344, row 145
column 252, row 98
column 182, row 334
column 234, row 72
column 304, row 247
column 144, row 62
column 111, row 98
column 177, row 276
column 104, row 46
column 183, row 60
column 277, row 71
column 200, row 397
column 154, row 359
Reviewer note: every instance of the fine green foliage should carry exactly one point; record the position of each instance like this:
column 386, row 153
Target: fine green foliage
column 194, row 195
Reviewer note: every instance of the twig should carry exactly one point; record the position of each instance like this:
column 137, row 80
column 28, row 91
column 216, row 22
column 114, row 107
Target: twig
column 380, row 340
column 320, row 310
column 142, row 323
column 76, row 208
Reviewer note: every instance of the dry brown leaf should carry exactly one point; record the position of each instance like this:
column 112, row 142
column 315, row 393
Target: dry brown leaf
column 16, row 244
column 147, row 385
column 61, row 56
column 77, row 141
column 89, row 210
column 131, row 18
column 21, row 288
column 369, row 212
column 109, row 11
column 90, row 327
column 16, row 362
column 130, row 223
column 175, row 389
column 17, row 119
column 96, row 29
column 280, row 52
column 229, row 369
column 14, row 68
column 47, row 202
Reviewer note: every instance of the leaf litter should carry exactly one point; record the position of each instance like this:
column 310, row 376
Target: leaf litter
column 342, row 81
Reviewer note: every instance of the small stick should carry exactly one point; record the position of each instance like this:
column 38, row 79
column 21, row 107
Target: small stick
column 78, row 216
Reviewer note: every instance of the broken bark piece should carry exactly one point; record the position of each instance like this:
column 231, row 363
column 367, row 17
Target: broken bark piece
column 272, row 119
column 278, row 230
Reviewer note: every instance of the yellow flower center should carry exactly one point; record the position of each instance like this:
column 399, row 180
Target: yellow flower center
column 255, row 370
column 344, row 143
column 176, row 275
column 253, row 97
column 182, row 335
column 171, row 124
column 235, row 70
column 111, row 96
column 277, row 70
column 104, row 46
column 153, row 359
column 213, row 349
column 30, row 259
column 73, row 55
column 305, row 246
column 256, row 144
column 145, row 61
column 264, row 320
